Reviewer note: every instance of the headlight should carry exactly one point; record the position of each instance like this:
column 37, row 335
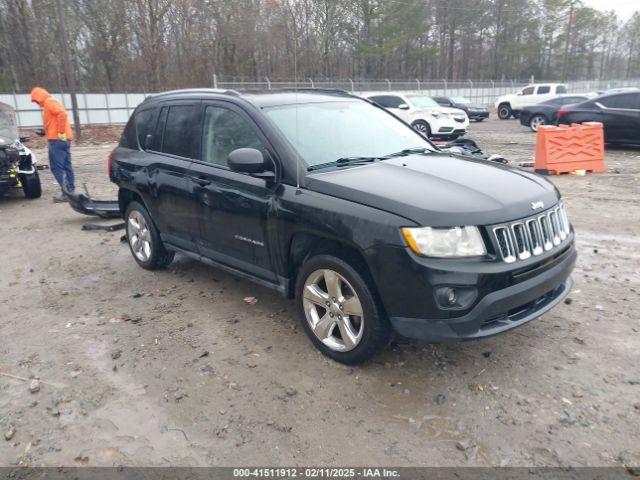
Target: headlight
column 439, row 115
column 445, row 242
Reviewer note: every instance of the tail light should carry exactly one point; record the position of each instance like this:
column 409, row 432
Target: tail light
column 109, row 158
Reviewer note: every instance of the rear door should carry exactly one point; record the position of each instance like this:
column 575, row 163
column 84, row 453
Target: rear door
column 175, row 144
column 233, row 208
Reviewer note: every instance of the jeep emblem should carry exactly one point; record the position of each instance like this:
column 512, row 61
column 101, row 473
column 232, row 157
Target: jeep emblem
column 537, row 205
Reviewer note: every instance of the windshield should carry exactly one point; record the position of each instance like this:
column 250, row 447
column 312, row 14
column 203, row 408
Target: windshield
column 423, row 102
column 8, row 125
column 325, row 132
column 460, row 100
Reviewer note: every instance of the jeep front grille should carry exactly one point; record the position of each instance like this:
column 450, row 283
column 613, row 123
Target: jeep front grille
column 532, row 236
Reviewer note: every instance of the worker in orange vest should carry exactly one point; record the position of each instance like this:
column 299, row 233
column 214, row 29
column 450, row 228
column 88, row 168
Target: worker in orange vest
column 58, row 133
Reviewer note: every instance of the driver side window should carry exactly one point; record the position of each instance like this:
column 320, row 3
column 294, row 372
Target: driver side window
column 225, row 131
column 528, row 91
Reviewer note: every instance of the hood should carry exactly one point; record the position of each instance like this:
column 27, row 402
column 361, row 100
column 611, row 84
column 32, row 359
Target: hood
column 453, row 111
column 439, row 190
column 39, row 95
column 8, row 124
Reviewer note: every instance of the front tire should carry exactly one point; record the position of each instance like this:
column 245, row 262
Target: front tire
column 422, row 127
column 504, row 111
column 31, row 185
column 339, row 311
column 144, row 240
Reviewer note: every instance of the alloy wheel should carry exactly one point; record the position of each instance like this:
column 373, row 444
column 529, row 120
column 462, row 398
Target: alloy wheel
column 139, row 236
column 422, row 128
column 333, row 310
column 536, row 121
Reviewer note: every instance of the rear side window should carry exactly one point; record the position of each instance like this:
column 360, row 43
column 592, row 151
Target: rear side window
column 624, row 100
column 543, row 89
column 387, row 101
column 128, row 138
column 181, row 132
column 568, row 100
column 145, row 124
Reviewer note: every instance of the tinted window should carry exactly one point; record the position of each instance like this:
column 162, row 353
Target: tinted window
column 128, row 138
column 561, row 89
column 528, row 91
column 387, row 101
column 225, row 131
column 624, row 100
column 156, row 144
column 543, row 89
column 181, row 132
column 145, row 124
column 568, row 100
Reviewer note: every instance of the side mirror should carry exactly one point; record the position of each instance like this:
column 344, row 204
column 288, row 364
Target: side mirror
column 403, row 106
column 519, row 93
column 251, row 161
column 148, row 141
column 25, row 138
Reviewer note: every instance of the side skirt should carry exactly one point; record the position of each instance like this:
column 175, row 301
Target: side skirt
column 282, row 286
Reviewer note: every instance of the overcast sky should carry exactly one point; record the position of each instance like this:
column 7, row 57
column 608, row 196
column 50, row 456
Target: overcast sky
column 624, row 8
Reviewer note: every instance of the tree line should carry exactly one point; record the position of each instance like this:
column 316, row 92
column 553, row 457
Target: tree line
column 150, row 45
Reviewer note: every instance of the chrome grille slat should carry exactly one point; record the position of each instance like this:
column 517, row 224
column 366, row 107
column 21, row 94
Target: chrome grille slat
column 530, row 237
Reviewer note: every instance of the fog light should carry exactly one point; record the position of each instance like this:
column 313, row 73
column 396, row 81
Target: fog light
column 451, row 296
column 455, row 297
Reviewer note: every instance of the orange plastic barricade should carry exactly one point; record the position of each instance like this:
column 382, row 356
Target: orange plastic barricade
column 564, row 149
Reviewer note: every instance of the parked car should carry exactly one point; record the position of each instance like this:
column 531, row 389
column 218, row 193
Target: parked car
column 474, row 111
column 544, row 113
column 425, row 115
column 511, row 105
column 17, row 162
column 332, row 201
column 618, row 112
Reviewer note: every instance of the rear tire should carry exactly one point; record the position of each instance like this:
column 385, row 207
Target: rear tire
column 31, row 185
column 351, row 310
column 144, row 240
column 422, row 127
column 536, row 121
column 504, row 111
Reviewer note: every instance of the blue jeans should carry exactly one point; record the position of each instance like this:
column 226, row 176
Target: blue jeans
column 60, row 164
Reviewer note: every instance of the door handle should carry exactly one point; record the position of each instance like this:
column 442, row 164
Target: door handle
column 202, row 181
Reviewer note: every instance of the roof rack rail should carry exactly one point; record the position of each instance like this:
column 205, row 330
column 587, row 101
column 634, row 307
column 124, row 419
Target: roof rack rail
column 197, row 90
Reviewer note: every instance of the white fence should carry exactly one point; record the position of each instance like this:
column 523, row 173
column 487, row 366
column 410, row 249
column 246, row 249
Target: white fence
column 115, row 108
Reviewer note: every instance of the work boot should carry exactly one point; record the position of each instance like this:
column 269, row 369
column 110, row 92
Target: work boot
column 61, row 199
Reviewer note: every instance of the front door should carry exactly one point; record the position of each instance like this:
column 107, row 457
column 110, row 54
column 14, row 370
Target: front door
column 234, row 208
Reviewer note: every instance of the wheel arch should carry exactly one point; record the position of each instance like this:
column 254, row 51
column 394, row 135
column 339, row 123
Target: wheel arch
column 304, row 246
column 126, row 196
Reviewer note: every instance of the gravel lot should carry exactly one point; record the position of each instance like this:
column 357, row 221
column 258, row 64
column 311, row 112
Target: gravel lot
column 173, row 368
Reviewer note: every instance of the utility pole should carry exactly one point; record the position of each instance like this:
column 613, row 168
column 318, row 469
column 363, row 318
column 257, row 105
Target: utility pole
column 565, row 64
column 68, row 71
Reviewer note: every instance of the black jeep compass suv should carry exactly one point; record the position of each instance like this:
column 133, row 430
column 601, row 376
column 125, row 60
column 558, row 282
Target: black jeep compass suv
column 335, row 202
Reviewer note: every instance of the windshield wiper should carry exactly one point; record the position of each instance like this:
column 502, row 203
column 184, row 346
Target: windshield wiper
column 408, row 151
column 343, row 162
column 360, row 160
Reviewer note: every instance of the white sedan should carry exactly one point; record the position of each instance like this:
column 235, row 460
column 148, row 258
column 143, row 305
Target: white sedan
column 424, row 114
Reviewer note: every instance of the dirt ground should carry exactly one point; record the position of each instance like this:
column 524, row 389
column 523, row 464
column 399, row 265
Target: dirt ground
column 174, row 368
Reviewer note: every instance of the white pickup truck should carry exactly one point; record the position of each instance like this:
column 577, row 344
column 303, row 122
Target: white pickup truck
column 510, row 105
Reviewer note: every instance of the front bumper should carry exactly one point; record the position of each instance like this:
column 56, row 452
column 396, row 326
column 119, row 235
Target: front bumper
column 506, row 298
column 478, row 115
